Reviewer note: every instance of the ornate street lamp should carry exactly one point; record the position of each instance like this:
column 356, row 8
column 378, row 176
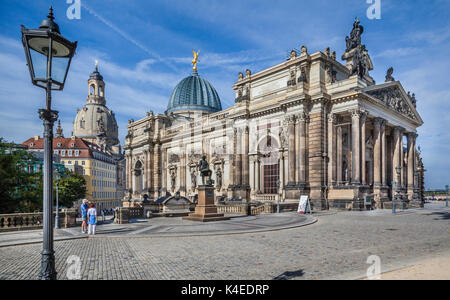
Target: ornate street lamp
column 48, row 70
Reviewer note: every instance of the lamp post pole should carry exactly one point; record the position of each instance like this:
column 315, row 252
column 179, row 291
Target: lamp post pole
column 49, row 117
column 41, row 47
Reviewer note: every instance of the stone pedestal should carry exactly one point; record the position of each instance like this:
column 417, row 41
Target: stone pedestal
column 206, row 210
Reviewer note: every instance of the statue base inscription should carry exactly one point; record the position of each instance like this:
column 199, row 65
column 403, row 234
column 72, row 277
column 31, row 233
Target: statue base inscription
column 206, row 210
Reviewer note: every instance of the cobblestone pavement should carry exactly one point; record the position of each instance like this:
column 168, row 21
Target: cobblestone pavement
column 337, row 246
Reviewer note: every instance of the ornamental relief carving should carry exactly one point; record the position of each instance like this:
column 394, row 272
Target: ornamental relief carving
column 393, row 98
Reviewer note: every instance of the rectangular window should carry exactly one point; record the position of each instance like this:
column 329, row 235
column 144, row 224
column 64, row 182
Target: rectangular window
column 83, row 163
column 63, row 152
column 271, row 176
column 69, row 153
column 77, row 152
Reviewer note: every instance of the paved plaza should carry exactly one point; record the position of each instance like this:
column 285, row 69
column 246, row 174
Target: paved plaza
column 335, row 247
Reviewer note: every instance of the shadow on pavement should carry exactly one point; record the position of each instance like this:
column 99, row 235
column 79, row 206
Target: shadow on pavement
column 290, row 275
column 441, row 216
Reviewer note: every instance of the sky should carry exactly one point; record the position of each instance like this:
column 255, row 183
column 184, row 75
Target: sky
column 144, row 49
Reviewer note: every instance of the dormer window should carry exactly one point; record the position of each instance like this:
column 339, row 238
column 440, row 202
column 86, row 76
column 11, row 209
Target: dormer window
column 31, row 144
column 72, row 145
column 59, row 145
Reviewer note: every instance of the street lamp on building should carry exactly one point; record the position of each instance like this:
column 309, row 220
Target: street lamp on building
column 48, row 56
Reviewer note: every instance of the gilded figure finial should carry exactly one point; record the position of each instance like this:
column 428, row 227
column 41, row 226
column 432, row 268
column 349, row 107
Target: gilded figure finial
column 195, row 60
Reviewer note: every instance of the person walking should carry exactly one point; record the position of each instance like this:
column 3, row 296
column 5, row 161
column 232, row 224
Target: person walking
column 92, row 219
column 84, row 208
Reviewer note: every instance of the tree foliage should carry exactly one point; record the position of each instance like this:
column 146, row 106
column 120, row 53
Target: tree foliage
column 20, row 191
column 72, row 187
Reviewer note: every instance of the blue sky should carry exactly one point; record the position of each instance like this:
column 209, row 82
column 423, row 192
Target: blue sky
column 144, row 49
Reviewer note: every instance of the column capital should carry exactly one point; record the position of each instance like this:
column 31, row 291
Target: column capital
column 332, row 118
column 399, row 130
column 289, row 120
column 357, row 113
column 364, row 115
column 378, row 122
column 412, row 135
column 302, row 117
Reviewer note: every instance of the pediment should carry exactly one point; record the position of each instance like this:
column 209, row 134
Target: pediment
column 393, row 96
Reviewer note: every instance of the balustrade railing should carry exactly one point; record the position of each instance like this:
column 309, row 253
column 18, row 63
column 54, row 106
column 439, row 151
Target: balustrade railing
column 29, row 221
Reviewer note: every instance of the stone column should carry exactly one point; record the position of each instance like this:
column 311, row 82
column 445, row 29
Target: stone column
column 145, row 176
column 258, row 175
column 232, row 158
column 356, row 144
column 238, row 169
column 128, row 173
column 302, row 153
column 331, row 149
column 397, row 150
column 157, row 170
column 183, row 189
column 252, row 174
column 402, row 161
column 377, row 152
column 245, row 161
column 363, row 147
column 291, row 137
column 383, row 153
column 281, row 156
column 164, row 171
column 411, row 163
column 339, row 155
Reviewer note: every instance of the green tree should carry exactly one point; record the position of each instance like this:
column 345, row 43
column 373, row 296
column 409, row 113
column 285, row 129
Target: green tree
column 72, row 187
column 20, row 190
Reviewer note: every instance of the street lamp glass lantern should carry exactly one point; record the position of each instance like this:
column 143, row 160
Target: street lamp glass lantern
column 45, row 65
column 56, row 175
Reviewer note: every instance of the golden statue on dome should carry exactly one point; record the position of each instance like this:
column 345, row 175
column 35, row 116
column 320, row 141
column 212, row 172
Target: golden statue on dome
column 195, row 60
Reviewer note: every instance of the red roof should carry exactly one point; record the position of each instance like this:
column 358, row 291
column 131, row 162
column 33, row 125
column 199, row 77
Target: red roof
column 58, row 143
column 85, row 148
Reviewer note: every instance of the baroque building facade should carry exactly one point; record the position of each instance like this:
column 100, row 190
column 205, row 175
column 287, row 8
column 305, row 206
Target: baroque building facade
column 307, row 126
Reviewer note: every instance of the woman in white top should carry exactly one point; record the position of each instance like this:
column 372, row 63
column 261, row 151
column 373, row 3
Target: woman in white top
column 92, row 218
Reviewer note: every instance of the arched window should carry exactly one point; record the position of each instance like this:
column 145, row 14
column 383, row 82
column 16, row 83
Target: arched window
column 92, row 89
column 102, row 91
